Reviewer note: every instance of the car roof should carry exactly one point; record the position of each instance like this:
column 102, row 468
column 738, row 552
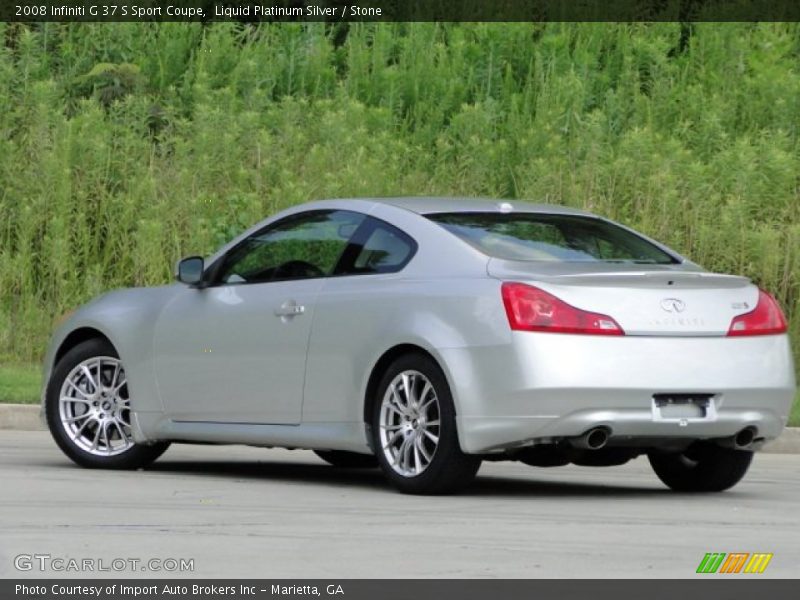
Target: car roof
column 443, row 204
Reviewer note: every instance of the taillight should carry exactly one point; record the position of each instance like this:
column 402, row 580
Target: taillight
column 531, row 309
column 765, row 319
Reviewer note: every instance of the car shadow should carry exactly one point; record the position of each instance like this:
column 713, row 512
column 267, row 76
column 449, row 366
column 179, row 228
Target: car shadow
column 492, row 485
column 484, row 485
column 275, row 471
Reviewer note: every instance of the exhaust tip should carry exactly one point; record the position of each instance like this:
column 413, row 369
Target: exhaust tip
column 745, row 437
column 596, row 438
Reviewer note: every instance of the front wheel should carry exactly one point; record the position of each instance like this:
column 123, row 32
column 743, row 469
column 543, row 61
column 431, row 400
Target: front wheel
column 701, row 468
column 88, row 410
column 414, row 430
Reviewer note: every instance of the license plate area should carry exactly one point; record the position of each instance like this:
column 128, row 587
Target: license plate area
column 683, row 407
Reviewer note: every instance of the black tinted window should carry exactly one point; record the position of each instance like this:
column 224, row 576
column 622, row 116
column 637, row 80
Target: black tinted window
column 298, row 247
column 377, row 248
column 550, row 237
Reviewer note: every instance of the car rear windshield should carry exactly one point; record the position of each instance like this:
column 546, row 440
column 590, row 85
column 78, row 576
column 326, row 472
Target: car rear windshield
column 550, row 237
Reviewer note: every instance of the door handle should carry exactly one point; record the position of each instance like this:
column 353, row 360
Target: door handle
column 290, row 309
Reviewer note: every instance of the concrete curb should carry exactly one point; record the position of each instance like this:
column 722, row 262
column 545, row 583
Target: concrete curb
column 25, row 417
column 20, row 417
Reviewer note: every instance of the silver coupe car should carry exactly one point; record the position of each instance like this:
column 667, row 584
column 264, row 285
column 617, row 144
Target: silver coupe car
column 424, row 335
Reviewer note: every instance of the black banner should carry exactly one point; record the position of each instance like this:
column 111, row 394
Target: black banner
column 707, row 588
column 399, row 10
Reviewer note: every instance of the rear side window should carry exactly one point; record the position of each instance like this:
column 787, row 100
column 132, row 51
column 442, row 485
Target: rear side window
column 550, row 237
column 377, row 247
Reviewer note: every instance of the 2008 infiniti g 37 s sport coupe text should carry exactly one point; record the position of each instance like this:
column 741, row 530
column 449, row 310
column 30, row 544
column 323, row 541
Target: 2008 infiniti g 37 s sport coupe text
column 425, row 335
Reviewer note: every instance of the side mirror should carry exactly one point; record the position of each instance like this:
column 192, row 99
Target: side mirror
column 190, row 270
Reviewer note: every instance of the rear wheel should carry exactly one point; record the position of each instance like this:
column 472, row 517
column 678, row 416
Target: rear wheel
column 701, row 468
column 88, row 410
column 414, row 430
column 347, row 460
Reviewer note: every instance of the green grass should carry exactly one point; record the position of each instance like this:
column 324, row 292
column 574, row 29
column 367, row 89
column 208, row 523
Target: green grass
column 20, row 384
column 126, row 145
column 794, row 416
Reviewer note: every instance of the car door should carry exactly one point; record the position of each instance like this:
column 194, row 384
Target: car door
column 234, row 351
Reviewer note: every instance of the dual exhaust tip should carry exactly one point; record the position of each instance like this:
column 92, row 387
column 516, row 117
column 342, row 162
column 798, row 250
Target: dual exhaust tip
column 598, row 437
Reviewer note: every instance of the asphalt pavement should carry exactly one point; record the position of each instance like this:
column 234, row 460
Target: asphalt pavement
column 248, row 512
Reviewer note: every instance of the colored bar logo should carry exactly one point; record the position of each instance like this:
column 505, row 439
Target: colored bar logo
column 735, row 562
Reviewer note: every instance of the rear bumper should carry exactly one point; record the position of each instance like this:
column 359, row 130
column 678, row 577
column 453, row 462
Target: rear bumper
column 542, row 387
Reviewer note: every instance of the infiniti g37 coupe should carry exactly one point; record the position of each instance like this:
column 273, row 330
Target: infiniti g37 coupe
column 424, row 335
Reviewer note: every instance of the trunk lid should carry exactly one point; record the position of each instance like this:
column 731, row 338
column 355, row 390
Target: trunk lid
column 651, row 300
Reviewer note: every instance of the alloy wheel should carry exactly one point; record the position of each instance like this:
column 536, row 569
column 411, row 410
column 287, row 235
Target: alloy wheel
column 409, row 423
column 94, row 407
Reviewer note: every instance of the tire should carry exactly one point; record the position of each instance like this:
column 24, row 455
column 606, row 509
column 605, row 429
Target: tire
column 347, row 460
column 91, row 424
column 701, row 468
column 417, row 445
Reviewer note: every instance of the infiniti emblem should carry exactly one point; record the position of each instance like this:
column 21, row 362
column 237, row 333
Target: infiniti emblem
column 673, row 305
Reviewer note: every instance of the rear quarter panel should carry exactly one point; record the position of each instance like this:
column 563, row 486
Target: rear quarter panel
column 359, row 318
